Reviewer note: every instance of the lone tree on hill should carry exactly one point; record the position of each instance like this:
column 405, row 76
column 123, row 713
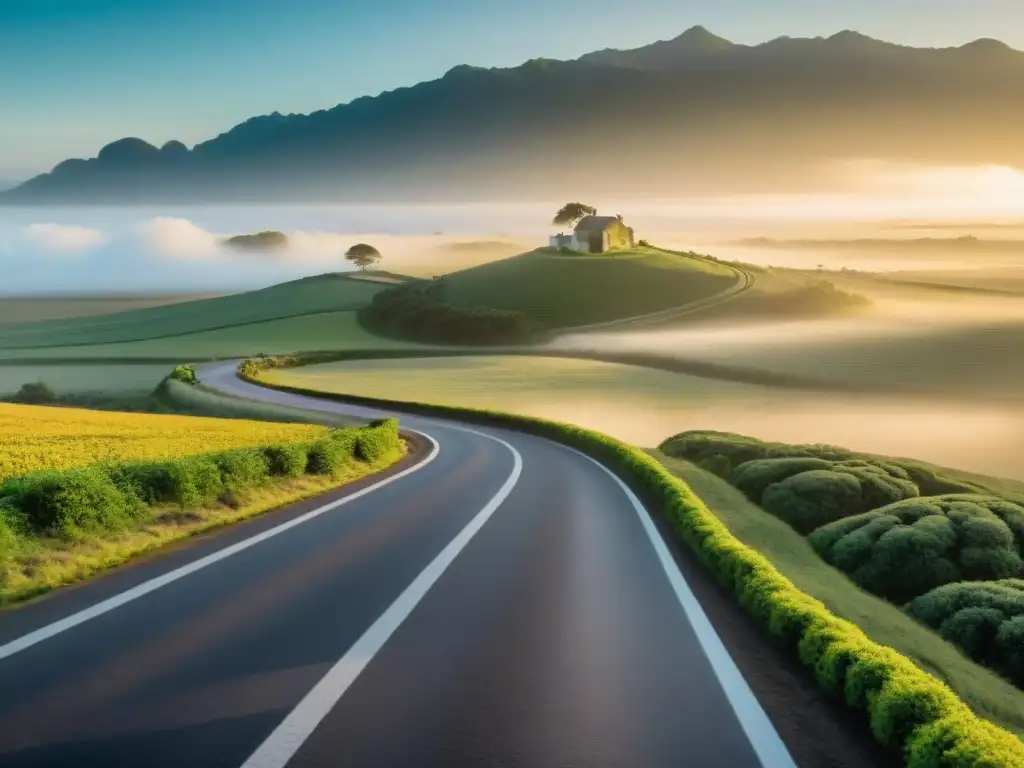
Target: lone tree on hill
column 570, row 213
column 363, row 255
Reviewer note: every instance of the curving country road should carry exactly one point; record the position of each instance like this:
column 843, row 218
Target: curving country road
column 498, row 600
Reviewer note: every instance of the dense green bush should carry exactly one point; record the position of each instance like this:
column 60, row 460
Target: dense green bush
column 329, row 457
column 189, row 482
column 377, row 440
column 242, row 470
column 418, row 312
column 35, row 393
column 73, row 503
column 984, row 619
column 754, row 477
column 905, row 549
column 809, row 500
column 9, row 529
column 696, row 445
column 287, row 460
column 185, row 374
column 907, row 709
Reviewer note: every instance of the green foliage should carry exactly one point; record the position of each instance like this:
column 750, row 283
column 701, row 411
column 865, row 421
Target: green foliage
column 754, row 477
column 329, row 457
column 984, row 619
column 10, row 528
column 739, row 449
column 186, row 374
column 415, row 311
column 809, row 500
column 571, row 213
column 363, row 255
column 73, row 503
column 907, row 709
column 35, row 393
column 717, row 465
column 287, row 460
column 377, row 440
column 905, row 549
column 242, row 470
column 190, row 482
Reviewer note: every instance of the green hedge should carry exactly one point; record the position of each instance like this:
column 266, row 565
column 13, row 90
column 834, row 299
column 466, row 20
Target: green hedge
column 75, row 503
column 906, row 708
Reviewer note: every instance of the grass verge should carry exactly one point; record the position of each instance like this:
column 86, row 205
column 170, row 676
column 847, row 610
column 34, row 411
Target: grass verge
column 907, row 709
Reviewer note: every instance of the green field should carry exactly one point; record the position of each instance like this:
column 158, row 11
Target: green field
column 986, row 693
column 642, row 406
column 326, row 293
column 564, row 291
column 330, row 330
column 62, row 378
column 33, row 309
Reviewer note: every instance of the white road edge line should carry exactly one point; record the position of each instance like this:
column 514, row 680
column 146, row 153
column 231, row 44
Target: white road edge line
column 105, row 606
column 767, row 744
column 285, row 740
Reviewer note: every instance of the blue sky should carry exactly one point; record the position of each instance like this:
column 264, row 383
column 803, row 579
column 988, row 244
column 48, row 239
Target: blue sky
column 76, row 74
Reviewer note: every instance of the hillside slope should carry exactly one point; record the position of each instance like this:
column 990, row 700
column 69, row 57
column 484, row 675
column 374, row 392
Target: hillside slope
column 308, row 296
column 693, row 113
column 566, row 291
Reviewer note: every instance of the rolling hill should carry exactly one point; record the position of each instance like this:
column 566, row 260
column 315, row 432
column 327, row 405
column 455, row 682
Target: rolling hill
column 566, row 291
column 695, row 113
column 299, row 298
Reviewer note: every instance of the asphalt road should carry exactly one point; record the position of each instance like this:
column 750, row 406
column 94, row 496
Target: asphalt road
column 500, row 601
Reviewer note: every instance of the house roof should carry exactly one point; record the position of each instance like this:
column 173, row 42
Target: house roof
column 596, row 223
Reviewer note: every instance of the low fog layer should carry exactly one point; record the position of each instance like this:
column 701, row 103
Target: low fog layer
column 170, row 248
column 82, row 251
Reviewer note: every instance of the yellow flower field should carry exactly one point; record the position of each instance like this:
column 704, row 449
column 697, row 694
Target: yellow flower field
column 35, row 438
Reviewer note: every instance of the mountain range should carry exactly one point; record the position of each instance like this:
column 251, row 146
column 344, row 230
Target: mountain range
column 691, row 114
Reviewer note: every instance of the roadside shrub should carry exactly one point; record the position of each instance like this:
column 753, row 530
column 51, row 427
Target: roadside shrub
column 377, row 440
column 190, row 482
column 286, row 460
column 9, row 528
column 906, row 549
column 185, row 374
column 984, row 619
column 73, row 503
column 329, row 457
column 35, row 393
column 242, row 470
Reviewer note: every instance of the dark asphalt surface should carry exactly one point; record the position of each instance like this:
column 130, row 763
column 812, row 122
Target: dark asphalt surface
column 554, row 638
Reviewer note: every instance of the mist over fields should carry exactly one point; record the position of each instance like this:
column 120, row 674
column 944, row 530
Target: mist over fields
column 172, row 248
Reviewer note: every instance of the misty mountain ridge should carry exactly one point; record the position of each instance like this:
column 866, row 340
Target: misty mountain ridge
column 692, row 113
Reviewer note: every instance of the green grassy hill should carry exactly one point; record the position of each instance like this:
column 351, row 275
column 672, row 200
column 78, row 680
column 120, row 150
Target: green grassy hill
column 564, row 291
column 300, row 298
